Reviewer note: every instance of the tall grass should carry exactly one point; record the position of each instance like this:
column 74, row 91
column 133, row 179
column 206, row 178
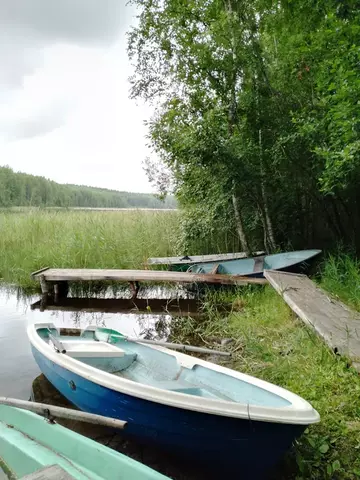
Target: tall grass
column 341, row 277
column 271, row 343
column 76, row 239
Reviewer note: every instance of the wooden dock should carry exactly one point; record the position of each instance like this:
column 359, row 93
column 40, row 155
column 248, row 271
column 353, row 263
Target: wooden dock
column 59, row 278
column 338, row 325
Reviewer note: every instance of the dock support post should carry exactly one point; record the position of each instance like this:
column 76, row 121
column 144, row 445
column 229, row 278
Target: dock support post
column 61, row 290
column 134, row 287
column 43, row 302
column 44, row 285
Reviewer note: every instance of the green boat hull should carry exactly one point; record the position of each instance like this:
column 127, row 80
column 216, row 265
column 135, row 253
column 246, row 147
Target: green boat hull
column 29, row 443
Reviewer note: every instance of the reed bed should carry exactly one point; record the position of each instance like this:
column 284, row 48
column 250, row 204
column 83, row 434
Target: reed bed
column 33, row 239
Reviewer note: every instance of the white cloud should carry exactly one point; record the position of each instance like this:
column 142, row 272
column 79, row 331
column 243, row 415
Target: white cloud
column 72, row 120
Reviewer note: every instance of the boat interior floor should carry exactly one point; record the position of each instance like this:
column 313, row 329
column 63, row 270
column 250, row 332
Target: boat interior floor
column 180, row 386
column 131, row 366
column 154, row 367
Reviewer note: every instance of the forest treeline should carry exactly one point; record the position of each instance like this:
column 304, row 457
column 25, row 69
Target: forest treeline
column 21, row 189
column 257, row 121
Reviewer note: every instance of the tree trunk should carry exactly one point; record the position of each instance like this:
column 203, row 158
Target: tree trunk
column 232, row 118
column 269, row 234
column 267, row 219
column 240, row 226
column 265, row 232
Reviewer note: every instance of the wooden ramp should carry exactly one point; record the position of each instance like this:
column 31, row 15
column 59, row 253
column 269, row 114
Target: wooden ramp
column 58, row 276
column 335, row 322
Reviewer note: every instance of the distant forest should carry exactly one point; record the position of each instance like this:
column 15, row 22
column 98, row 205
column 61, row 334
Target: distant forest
column 21, row 189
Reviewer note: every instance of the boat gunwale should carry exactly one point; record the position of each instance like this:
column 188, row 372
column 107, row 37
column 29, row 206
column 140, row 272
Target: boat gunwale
column 299, row 412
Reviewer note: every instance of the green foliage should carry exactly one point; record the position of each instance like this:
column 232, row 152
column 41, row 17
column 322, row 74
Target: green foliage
column 68, row 239
column 341, row 277
column 20, row 189
column 257, row 101
column 270, row 343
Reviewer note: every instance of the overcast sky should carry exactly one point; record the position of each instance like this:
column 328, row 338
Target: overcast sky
column 65, row 112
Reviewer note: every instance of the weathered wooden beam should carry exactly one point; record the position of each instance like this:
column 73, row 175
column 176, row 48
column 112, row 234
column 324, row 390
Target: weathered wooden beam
column 43, row 284
column 61, row 412
column 337, row 324
column 73, row 275
column 214, row 269
column 34, row 274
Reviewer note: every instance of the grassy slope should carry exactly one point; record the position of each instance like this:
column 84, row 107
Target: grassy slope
column 274, row 345
column 36, row 239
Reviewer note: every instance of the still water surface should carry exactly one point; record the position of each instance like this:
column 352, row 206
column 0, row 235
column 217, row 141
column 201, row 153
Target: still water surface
column 18, row 369
column 17, row 366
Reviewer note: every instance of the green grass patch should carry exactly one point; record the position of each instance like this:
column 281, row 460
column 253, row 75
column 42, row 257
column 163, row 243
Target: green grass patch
column 341, row 277
column 272, row 344
column 81, row 239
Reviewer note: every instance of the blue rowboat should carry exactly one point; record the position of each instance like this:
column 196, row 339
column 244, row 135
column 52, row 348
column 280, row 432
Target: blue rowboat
column 206, row 412
column 255, row 266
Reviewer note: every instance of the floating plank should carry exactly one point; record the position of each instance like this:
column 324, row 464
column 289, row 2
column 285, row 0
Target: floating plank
column 152, row 306
column 77, row 274
column 188, row 260
column 338, row 325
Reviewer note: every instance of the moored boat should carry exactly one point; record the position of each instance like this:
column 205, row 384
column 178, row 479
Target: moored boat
column 255, row 266
column 34, row 448
column 209, row 413
column 182, row 263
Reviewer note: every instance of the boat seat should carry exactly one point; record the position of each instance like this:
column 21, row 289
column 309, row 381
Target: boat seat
column 52, row 472
column 83, row 348
column 185, row 387
column 259, row 263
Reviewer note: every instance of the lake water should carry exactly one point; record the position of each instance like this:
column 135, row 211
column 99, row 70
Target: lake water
column 17, row 366
column 18, row 369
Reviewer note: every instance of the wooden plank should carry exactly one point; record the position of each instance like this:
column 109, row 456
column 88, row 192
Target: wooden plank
column 190, row 259
column 152, row 306
column 43, row 283
column 337, row 324
column 259, row 263
column 39, row 271
column 214, row 269
column 73, row 275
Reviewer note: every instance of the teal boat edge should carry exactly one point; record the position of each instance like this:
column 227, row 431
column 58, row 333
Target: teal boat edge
column 28, row 443
column 295, row 261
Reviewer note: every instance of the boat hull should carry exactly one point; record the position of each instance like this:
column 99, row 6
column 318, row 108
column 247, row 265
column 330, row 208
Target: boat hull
column 217, row 442
column 295, row 262
column 181, row 264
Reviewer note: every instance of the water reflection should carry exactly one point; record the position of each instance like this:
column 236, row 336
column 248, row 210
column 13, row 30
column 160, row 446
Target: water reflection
column 148, row 316
column 151, row 306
